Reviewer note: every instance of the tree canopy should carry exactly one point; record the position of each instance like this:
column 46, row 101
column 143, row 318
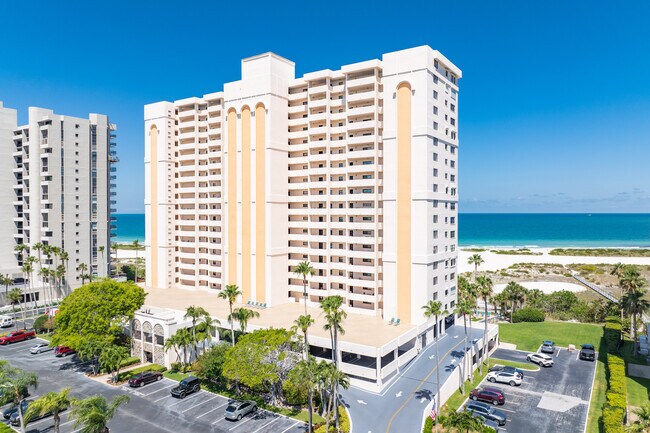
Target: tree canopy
column 97, row 311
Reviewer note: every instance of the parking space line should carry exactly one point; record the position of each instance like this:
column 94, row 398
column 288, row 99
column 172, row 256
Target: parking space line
column 180, row 400
column 161, row 398
column 213, row 409
column 197, row 405
column 268, row 423
column 220, row 419
column 240, row 423
column 158, row 390
column 290, row 427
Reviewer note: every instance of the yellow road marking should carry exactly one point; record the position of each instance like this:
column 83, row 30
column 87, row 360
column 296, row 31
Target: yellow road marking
column 392, row 418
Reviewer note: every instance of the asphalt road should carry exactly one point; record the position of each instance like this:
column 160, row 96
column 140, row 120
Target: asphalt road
column 399, row 408
column 151, row 408
column 553, row 399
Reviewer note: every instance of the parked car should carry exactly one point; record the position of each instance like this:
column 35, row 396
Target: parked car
column 507, row 369
column 186, row 386
column 15, row 418
column 511, row 379
column 486, row 411
column 540, row 359
column 40, row 348
column 6, row 321
column 63, row 351
column 488, row 422
column 588, row 352
column 239, row 409
column 548, row 346
column 6, row 414
column 490, row 395
column 141, row 379
column 16, row 336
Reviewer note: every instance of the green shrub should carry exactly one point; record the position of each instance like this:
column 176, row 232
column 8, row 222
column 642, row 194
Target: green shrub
column 4, row 428
column 295, row 393
column 152, row 367
column 428, row 425
column 176, row 366
column 615, row 399
column 344, row 423
column 612, row 334
column 528, row 315
column 613, row 419
column 39, row 323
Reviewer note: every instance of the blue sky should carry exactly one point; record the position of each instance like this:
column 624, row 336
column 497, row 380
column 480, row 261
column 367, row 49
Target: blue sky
column 554, row 103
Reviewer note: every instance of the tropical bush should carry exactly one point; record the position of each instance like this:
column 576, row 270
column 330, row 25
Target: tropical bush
column 616, row 394
column 428, row 425
column 528, row 315
column 39, row 323
column 344, row 423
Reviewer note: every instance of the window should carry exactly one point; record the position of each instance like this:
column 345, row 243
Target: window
column 435, row 125
column 435, row 172
column 435, row 110
column 435, row 64
column 435, row 95
column 435, row 79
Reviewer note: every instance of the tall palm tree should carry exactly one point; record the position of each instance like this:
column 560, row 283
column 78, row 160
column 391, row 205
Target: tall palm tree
column 38, row 246
column 334, row 316
column 6, row 281
column 136, row 247
column 101, row 250
column 64, row 256
column 21, row 249
column 52, row 402
column 60, row 274
column 15, row 384
column 629, row 281
column 44, row 273
column 476, row 260
column 303, row 323
column 307, row 369
column 94, row 413
column 185, row 341
column 31, row 260
column 433, row 309
column 485, row 289
column 230, row 293
column 463, row 308
column 338, row 379
column 195, row 313
column 83, row 268
column 242, row 315
column 208, row 325
column 304, row 269
column 634, row 304
column 173, row 343
column 15, row 295
column 27, row 269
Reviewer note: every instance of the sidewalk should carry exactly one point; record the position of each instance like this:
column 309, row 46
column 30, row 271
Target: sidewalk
column 105, row 378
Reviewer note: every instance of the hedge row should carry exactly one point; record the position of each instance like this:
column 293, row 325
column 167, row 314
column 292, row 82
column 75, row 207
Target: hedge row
column 614, row 410
column 152, row 367
column 344, row 423
column 4, row 428
column 528, row 315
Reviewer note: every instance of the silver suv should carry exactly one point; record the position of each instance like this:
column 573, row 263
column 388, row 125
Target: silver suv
column 540, row 359
column 239, row 409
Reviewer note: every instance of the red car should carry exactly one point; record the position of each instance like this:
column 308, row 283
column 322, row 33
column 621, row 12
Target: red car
column 490, row 395
column 17, row 336
column 63, row 351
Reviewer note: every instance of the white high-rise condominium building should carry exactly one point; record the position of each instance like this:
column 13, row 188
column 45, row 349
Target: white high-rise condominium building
column 61, row 173
column 354, row 170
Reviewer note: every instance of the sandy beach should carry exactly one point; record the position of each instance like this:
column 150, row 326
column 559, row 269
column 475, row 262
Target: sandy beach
column 545, row 286
column 495, row 262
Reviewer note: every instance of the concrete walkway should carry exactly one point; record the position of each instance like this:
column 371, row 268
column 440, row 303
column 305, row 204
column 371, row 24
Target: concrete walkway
column 399, row 408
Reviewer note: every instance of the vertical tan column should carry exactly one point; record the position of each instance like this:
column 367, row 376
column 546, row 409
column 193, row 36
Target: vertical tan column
column 403, row 202
column 153, row 173
column 260, row 202
column 246, row 203
column 232, row 197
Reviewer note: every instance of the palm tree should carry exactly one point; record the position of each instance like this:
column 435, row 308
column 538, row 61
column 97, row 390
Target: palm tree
column 515, row 293
column 207, row 326
column 20, row 249
column 94, row 413
column 337, row 379
column 307, row 369
column 434, row 309
column 64, row 256
column 136, row 247
column 6, row 281
column 463, row 308
column 185, row 341
column 485, row 289
column 643, row 419
column 230, row 293
column 101, row 250
column 38, row 246
column 476, row 260
column 334, row 316
column 242, row 315
column 44, row 273
column 60, row 275
column 305, row 270
column 303, row 323
column 195, row 313
column 27, row 269
column 634, row 304
column 462, row 421
column 82, row 268
column 172, row 342
column 31, row 260
column 629, row 281
column 15, row 296
column 52, row 402
column 14, row 386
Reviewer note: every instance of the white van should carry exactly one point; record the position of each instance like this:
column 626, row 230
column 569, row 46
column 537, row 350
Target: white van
column 6, row 321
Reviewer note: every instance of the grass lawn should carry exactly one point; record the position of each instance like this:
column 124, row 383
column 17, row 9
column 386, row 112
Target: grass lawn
column 637, row 391
column 529, row 336
column 597, row 398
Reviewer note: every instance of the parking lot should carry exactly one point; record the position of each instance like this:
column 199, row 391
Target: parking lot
column 151, row 409
column 551, row 400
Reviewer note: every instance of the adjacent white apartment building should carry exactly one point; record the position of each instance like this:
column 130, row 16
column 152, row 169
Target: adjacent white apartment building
column 354, row 170
column 61, row 172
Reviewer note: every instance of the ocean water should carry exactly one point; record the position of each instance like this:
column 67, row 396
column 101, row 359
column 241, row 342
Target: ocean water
column 509, row 230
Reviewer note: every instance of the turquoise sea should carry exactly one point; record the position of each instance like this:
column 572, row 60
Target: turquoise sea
column 509, row 230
